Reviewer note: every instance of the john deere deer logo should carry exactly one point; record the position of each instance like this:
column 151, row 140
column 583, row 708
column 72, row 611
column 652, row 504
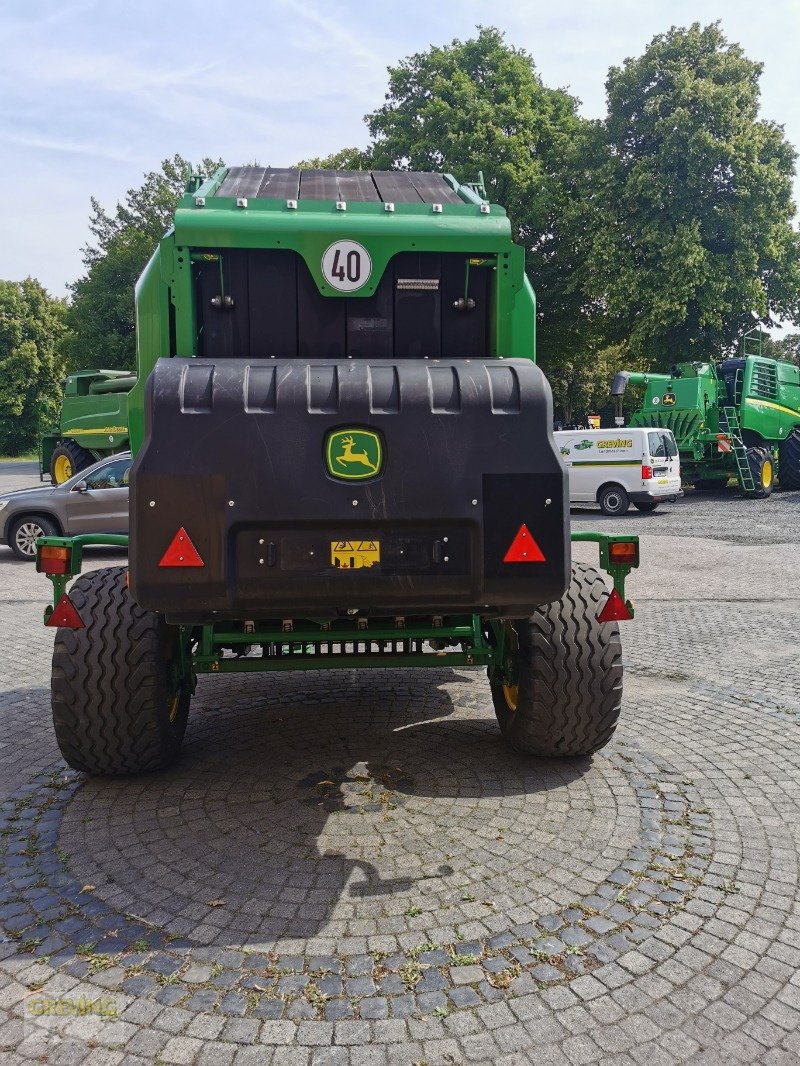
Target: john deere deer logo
column 353, row 454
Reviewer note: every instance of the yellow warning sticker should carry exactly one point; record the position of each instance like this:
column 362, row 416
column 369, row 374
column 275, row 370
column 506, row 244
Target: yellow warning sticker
column 355, row 554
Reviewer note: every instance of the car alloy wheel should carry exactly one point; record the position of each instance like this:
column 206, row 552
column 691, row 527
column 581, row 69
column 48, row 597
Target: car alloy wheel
column 25, row 537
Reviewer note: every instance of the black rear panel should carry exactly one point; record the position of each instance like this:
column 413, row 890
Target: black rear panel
column 277, row 310
column 235, row 454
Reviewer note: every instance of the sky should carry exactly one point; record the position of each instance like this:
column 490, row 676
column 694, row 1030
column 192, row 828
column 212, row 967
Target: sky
column 94, row 94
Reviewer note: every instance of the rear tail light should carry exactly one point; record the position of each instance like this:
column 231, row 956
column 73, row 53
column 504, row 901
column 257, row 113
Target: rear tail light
column 624, row 551
column 647, row 473
column 53, row 560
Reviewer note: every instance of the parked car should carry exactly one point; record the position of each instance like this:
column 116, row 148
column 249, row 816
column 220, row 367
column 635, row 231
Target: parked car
column 619, row 467
column 93, row 501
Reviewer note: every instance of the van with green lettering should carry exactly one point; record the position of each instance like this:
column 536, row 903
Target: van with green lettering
column 619, row 467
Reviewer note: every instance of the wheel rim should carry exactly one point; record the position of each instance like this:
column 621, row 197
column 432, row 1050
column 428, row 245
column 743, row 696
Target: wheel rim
column 613, row 501
column 26, row 536
column 62, row 468
column 174, row 706
column 175, row 682
column 511, row 692
column 766, row 474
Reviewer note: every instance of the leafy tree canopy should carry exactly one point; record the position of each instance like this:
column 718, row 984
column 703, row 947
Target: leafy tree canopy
column 346, row 159
column 692, row 235
column 101, row 313
column 479, row 105
column 32, row 326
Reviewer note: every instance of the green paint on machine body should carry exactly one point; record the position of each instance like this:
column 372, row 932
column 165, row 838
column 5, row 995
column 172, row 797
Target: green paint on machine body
column 753, row 401
column 166, row 294
column 94, row 414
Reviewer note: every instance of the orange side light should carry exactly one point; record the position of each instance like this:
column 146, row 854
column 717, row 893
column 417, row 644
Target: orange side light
column 54, row 560
column 624, row 551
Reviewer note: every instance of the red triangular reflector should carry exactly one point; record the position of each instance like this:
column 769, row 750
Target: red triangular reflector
column 65, row 614
column 181, row 552
column 615, row 610
column 524, row 548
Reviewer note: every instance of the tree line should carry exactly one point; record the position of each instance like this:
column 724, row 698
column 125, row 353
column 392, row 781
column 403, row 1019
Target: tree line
column 662, row 232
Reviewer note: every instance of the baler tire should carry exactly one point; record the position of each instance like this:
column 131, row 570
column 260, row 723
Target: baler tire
column 115, row 709
column 762, row 468
column 71, row 452
column 569, row 675
column 646, row 506
column 709, row 484
column 789, row 461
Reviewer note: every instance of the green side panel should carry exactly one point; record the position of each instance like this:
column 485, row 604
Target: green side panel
column 770, row 404
column 313, row 227
column 96, row 422
column 152, row 335
column 47, row 444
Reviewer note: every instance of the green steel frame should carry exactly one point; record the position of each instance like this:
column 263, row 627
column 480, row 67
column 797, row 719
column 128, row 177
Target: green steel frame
column 341, row 643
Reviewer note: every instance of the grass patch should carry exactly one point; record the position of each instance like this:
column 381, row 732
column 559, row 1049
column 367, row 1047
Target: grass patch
column 26, row 457
column 410, row 974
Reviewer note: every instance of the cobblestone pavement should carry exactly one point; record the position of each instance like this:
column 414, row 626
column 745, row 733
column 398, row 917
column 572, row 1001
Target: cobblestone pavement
column 352, row 868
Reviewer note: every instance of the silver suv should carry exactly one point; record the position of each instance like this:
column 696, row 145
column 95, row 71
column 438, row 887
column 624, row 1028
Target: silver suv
column 94, row 501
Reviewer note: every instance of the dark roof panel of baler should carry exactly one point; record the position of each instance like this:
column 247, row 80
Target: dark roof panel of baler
column 355, row 186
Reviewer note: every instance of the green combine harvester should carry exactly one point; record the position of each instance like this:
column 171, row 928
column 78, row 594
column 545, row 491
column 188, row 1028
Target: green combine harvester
column 738, row 418
column 93, row 423
column 343, row 459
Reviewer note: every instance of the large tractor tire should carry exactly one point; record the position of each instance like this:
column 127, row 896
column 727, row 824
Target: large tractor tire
column 762, row 468
column 119, row 703
column 67, row 460
column 789, row 461
column 563, row 693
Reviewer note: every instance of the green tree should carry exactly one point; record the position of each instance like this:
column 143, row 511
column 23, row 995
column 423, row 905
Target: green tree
column 786, row 347
column 345, row 159
column 693, row 208
column 101, row 312
column 32, row 327
column 479, row 105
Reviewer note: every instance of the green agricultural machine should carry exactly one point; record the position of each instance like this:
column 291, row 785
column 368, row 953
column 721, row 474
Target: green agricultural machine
column 738, row 418
column 343, row 459
column 93, row 423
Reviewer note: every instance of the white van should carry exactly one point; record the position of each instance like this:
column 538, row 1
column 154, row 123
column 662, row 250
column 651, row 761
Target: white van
column 619, row 467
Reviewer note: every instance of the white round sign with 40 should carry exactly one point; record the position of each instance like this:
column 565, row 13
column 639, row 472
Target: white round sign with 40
column 346, row 265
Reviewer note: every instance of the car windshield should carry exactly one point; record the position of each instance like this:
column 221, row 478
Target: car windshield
column 113, row 475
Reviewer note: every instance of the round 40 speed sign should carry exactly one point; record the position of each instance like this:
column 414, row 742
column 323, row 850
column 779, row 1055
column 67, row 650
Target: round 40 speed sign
column 346, row 265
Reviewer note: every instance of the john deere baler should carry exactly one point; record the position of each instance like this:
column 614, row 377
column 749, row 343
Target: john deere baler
column 343, row 457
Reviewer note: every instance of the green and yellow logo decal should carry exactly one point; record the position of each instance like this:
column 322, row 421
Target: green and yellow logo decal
column 353, row 454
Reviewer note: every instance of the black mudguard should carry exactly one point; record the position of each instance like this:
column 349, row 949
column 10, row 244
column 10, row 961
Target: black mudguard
column 234, row 454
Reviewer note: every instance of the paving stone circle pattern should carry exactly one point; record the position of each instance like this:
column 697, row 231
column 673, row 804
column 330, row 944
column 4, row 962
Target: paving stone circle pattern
column 353, row 868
